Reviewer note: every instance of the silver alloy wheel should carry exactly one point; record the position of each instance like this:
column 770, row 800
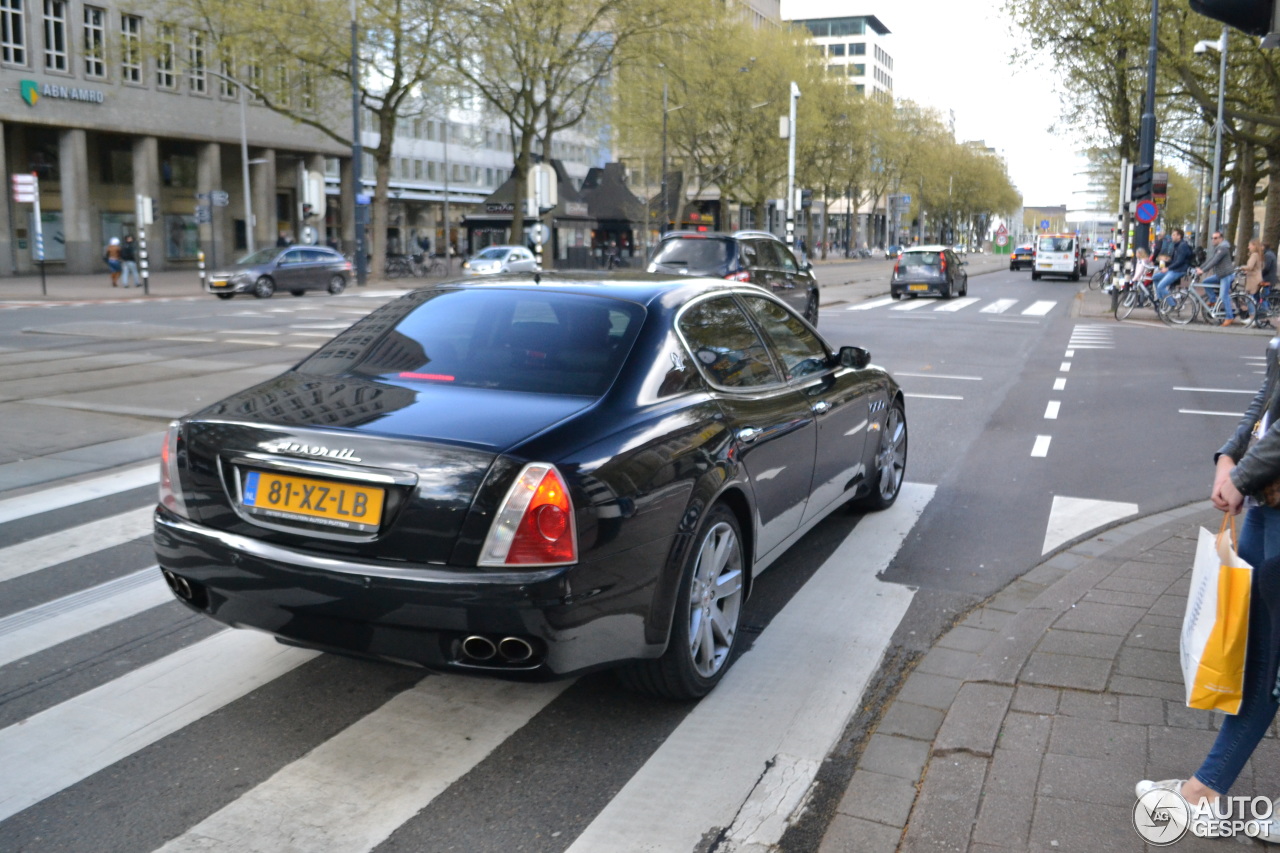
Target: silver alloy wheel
column 715, row 599
column 337, row 284
column 264, row 287
column 892, row 458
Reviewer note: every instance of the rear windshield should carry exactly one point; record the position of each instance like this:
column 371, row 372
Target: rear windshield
column 694, row 254
column 920, row 259
column 514, row 340
column 1057, row 244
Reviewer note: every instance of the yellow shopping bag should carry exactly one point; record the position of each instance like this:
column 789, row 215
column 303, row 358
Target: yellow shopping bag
column 1216, row 625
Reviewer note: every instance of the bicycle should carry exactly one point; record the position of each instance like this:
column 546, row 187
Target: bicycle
column 1264, row 308
column 1185, row 304
column 1140, row 295
column 398, row 266
column 1102, row 279
column 433, row 266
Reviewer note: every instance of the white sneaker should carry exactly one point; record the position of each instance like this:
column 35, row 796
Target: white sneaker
column 1146, row 786
column 1269, row 829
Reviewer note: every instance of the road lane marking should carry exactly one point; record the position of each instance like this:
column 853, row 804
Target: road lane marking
column 1204, row 412
column 939, row 376
column 54, row 548
column 1051, row 411
column 1060, row 383
column 248, row 342
column 62, row 745
column 1072, row 517
column 1041, row 447
column 780, row 704
column 1214, row 390
column 59, row 497
column 46, row 625
column 932, row 396
column 1065, row 367
column 1040, row 308
column 913, row 305
column 1069, row 354
column 1012, row 320
column 874, row 303
column 998, row 307
column 385, row 768
column 957, row 304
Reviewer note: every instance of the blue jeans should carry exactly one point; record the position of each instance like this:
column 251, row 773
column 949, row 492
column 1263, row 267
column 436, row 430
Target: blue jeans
column 1214, row 284
column 1165, row 281
column 1241, row 732
column 130, row 273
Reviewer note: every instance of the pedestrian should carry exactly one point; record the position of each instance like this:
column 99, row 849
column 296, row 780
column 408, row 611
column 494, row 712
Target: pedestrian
column 283, row 240
column 1269, row 266
column 1245, row 470
column 1179, row 263
column 112, row 257
column 1221, row 266
column 129, row 262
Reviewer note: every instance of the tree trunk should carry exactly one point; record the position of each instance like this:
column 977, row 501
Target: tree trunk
column 520, row 172
column 1245, row 197
column 377, row 247
column 1233, row 215
column 1271, row 220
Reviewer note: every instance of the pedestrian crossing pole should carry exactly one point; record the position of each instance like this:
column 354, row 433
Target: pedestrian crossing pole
column 144, row 214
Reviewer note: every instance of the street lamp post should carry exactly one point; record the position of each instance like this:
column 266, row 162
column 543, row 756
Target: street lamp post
column 1215, row 205
column 244, row 159
column 791, row 168
column 357, row 152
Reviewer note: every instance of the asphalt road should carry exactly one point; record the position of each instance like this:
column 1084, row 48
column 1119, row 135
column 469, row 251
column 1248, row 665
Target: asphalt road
column 159, row 728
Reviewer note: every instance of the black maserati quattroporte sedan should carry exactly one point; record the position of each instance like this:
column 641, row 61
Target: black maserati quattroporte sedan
column 529, row 477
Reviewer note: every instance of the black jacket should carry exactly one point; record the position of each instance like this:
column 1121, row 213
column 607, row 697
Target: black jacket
column 1180, row 261
column 1258, row 466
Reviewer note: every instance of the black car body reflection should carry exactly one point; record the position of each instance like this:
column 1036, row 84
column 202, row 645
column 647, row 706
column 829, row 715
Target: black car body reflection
column 529, row 479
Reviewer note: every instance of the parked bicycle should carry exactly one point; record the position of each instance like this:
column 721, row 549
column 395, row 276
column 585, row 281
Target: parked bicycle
column 1102, row 279
column 399, row 266
column 1266, row 308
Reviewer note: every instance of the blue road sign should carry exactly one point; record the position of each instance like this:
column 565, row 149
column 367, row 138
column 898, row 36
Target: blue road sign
column 1044, row 223
column 1146, row 212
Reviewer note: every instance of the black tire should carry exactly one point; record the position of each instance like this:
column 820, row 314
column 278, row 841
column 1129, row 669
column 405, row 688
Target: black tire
column 264, row 287
column 890, row 462
column 896, row 295
column 224, row 295
column 1128, row 301
column 692, row 665
column 1012, row 268
column 946, row 291
column 811, row 310
column 1035, row 276
column 1177, row 308
column 296, row 292
column 1075, row 276
column 337, row 284
column 1095, row 280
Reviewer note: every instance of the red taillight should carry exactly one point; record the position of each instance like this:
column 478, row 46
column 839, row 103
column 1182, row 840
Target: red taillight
column 942, row 262
column 170, row 487
column 534, row 526
column 740, row 275
column 895, row 267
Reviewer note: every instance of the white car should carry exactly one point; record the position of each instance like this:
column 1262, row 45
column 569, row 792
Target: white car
column 500, row 259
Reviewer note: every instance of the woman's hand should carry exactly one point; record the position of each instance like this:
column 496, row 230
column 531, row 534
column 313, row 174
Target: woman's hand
column 1225, row 495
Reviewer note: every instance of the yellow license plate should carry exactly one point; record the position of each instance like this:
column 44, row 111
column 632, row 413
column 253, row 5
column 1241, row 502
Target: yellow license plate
column 333, row 504
column 218, row 282
column 917, row 287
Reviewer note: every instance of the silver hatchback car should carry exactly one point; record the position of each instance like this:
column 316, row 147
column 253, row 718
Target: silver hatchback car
column 500, row 259
column 296, row 269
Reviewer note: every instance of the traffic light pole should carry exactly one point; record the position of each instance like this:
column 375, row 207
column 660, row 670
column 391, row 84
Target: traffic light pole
column 1147, row 137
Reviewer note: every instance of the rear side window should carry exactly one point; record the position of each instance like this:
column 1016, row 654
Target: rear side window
column 514, row 340
column 1057, row 244
column 694, row 254
column 921, row 259
column 725, row 344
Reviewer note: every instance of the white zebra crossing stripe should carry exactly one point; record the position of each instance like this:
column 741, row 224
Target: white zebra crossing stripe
column 45, row 551
column 957, row 304
column 781, row 701
column 351, row 792
column 66, row 618
column 874, row 303
column 913, row 305
column 998, row 307
column 58, row 747
column 1040, row 308
column 87, row 490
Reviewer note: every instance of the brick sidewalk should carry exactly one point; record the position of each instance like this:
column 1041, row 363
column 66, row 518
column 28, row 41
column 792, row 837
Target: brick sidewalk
column 1028, row 723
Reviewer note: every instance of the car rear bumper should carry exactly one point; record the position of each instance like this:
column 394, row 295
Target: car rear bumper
column 918, row 288
column 418, row 615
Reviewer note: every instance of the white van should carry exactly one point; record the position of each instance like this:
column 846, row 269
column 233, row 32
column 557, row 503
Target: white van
column 1056, row 254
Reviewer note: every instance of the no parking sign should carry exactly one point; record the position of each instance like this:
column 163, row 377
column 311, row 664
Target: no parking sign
column 1146, row 212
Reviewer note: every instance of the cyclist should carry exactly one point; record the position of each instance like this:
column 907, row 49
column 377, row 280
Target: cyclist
column 1179, row 264
column 1222, row 273
column 1143, row 269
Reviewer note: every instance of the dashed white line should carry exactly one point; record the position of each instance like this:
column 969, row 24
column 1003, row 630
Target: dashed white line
column 1040, row 307
column 1060, row 383
column 933, row 396
column 1051, row 411
column 910, row 306
column 1013, row 320
column 1213, row 390
column 998, row 307
column 1204, row 412
column 1041, row 447
column 1065, row 367
column 957, row 304
column 1069, row 354
column 874, row 303
column 938, row 376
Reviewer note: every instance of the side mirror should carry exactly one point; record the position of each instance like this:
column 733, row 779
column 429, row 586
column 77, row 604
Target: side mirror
column 806, row 266
column 855, row 357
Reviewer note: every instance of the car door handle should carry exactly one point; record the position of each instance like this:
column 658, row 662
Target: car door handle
column 749, row 434
column 821, row 407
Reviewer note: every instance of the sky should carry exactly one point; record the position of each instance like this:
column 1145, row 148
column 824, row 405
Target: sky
column 954, row 55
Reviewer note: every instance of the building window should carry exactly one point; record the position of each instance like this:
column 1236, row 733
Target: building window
column 55, row 35
column 857, row 48
column 95, row 42
column 860, row 89
column 197, row 80
column 227, row 65
column 280, row 84
column 835, row 50
column 131, row 48
column 858, row 70
column 254, row 79
column 165, row 51
column 13, row 29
